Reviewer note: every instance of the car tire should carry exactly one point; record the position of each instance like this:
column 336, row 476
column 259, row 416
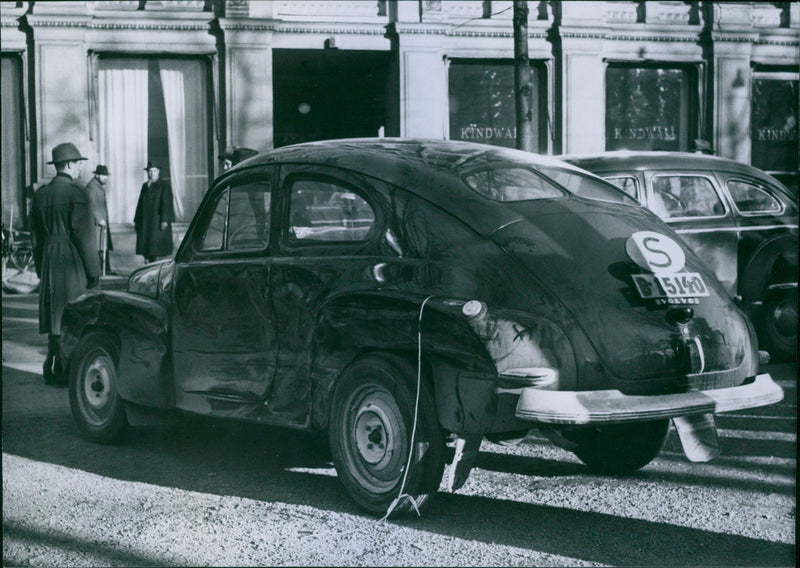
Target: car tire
column 619, row 448
column 372, row 417
column 93, row 388
column 779, row 327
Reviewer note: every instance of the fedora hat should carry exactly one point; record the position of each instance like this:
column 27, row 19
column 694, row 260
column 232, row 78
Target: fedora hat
column 66, row 152
column 101, row 170
column 240, row 154
column 151, row 164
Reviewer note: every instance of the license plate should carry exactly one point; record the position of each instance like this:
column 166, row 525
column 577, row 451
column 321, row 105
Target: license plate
column 679, row 285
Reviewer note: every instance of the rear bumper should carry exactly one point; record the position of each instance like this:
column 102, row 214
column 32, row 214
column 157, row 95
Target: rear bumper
column 613, row 407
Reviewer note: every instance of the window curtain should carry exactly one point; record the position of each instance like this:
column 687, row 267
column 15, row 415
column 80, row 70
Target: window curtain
column 123, row 133
column 12, row 176
column 185, row 105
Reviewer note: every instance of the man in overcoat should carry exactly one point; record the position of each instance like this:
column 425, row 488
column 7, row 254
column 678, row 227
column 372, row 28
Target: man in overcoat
column 154, row 216
column 64, row 250
column 96, row 192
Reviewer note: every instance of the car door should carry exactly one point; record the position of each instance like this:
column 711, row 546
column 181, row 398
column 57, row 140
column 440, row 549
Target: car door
column 330, row 223
column 692, row 203
column 223, row 328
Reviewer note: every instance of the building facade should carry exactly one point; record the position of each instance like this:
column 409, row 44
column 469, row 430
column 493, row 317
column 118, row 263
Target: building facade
column 177, row 81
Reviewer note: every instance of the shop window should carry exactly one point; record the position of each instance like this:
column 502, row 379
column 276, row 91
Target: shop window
column 650, row 108
column 13, row 174
column 323, row 211
column 154, row 109
column 482, row 106
column 773, row 122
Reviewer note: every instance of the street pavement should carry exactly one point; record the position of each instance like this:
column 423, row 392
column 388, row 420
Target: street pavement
column 205, row 493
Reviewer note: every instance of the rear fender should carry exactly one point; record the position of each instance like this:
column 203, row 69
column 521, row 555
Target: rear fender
column 140, row 325
column 349, row 327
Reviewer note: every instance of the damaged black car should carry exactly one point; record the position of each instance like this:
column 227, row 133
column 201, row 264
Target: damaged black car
column 411, row 297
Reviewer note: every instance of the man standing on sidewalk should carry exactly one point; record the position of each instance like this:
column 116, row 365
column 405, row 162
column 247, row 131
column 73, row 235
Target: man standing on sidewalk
column 96, row 192
column 64, row 250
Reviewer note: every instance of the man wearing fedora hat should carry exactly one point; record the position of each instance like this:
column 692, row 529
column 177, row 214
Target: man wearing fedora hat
column 154, row 216
column 96, row 192
column 64, row 250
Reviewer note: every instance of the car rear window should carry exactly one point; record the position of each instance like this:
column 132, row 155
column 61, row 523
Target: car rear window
column 512, row 184
column 587, row 186
column 625, row 183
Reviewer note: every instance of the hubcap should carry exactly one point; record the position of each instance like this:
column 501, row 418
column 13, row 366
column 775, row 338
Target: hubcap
column 98, row 388
column 785, row 317
column 374, row 439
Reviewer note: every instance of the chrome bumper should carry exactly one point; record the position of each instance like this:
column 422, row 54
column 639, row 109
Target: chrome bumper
column 612, row 407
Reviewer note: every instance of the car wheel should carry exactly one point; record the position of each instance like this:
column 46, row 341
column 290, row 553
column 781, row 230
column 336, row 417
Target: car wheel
column 780, row 327
column 619, row 448
column 93, row 379
column 372, row 415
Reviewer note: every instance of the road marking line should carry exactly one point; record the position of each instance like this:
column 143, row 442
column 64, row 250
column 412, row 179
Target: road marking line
column 20, row 320
column 757, row 435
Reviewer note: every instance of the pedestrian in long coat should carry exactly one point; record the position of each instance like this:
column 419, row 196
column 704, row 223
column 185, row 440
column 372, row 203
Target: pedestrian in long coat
column 96, row 192
column 154, row 216
column 64, row 249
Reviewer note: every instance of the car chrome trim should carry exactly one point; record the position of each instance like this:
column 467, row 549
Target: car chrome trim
column 720, row 229
column 612, row 406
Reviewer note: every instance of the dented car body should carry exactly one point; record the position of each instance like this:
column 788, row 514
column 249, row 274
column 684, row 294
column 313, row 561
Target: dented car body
column 411, row 297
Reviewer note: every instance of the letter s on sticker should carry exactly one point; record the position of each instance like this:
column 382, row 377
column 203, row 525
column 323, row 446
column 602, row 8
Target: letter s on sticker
column 655, row 252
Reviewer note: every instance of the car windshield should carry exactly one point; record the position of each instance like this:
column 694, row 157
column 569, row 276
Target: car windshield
column 522, row 184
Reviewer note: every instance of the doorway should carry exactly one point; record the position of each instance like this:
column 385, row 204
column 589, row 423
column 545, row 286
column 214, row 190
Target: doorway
column 329, row 94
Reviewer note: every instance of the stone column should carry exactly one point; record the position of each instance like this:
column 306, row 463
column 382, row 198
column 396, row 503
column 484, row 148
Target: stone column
column 582, row 77
column 422, row 69
column 733, row 37
column 248, row 82
column 61, row 68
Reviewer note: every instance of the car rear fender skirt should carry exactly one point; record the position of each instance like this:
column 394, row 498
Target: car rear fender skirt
column 140, row 326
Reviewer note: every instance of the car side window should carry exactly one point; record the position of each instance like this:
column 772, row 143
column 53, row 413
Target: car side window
column 751, row 199
column 625, row 183
column 677, row 196
column 321, row 210
column 248, row 216
column 214, row 235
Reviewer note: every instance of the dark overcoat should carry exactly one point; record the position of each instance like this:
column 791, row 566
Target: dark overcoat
column 97, row 201
column 153, row 208
column 64, row 250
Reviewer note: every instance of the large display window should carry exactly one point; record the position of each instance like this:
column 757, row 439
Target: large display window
column 773, row 122
column 482, row 106
column 13, row 174
column 154, row 108
column 650, row 107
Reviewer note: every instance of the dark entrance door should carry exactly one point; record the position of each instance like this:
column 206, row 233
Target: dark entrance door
column 326, row 94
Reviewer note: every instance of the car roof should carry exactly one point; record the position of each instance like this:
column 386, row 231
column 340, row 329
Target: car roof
column 621, row 160
column 389, row 158
column 430, row 169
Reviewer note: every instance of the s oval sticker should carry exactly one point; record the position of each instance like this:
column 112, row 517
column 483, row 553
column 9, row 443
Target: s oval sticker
column 655, row 252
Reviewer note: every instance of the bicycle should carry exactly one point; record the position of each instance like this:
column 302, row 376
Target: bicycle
column 19, row 270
